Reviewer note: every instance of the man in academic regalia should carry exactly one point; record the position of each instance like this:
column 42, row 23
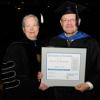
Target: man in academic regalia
column 72, row 38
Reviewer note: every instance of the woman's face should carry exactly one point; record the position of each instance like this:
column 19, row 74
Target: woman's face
column 31, row 28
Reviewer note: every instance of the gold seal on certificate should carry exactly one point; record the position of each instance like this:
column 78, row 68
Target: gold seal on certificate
column 63, row 66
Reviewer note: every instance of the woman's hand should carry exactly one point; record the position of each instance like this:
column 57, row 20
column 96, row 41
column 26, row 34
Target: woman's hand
column 39, row 76
column 43, row 86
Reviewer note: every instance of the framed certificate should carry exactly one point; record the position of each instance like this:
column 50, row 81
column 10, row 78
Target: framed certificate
column 63, row 66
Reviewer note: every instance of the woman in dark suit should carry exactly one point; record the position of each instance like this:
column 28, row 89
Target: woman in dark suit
column 21, row 63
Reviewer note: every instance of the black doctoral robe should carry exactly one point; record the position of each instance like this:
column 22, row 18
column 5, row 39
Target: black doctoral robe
column 92, row 72
column 19, row 70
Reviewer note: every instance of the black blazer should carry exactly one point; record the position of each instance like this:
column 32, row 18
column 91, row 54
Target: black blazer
column 19, row 70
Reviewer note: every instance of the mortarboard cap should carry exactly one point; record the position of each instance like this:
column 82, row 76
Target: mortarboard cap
column 69, row 7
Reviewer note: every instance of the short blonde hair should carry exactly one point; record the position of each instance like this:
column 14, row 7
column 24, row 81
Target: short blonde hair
column 27, row 16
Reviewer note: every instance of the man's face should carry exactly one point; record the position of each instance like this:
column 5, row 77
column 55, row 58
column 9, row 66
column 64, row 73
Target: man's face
column 68, row 23
column 31, row 28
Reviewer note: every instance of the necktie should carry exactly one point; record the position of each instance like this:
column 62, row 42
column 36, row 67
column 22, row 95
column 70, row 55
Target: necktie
column 68, row 42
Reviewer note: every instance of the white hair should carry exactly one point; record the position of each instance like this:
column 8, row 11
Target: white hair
column 27, row 16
